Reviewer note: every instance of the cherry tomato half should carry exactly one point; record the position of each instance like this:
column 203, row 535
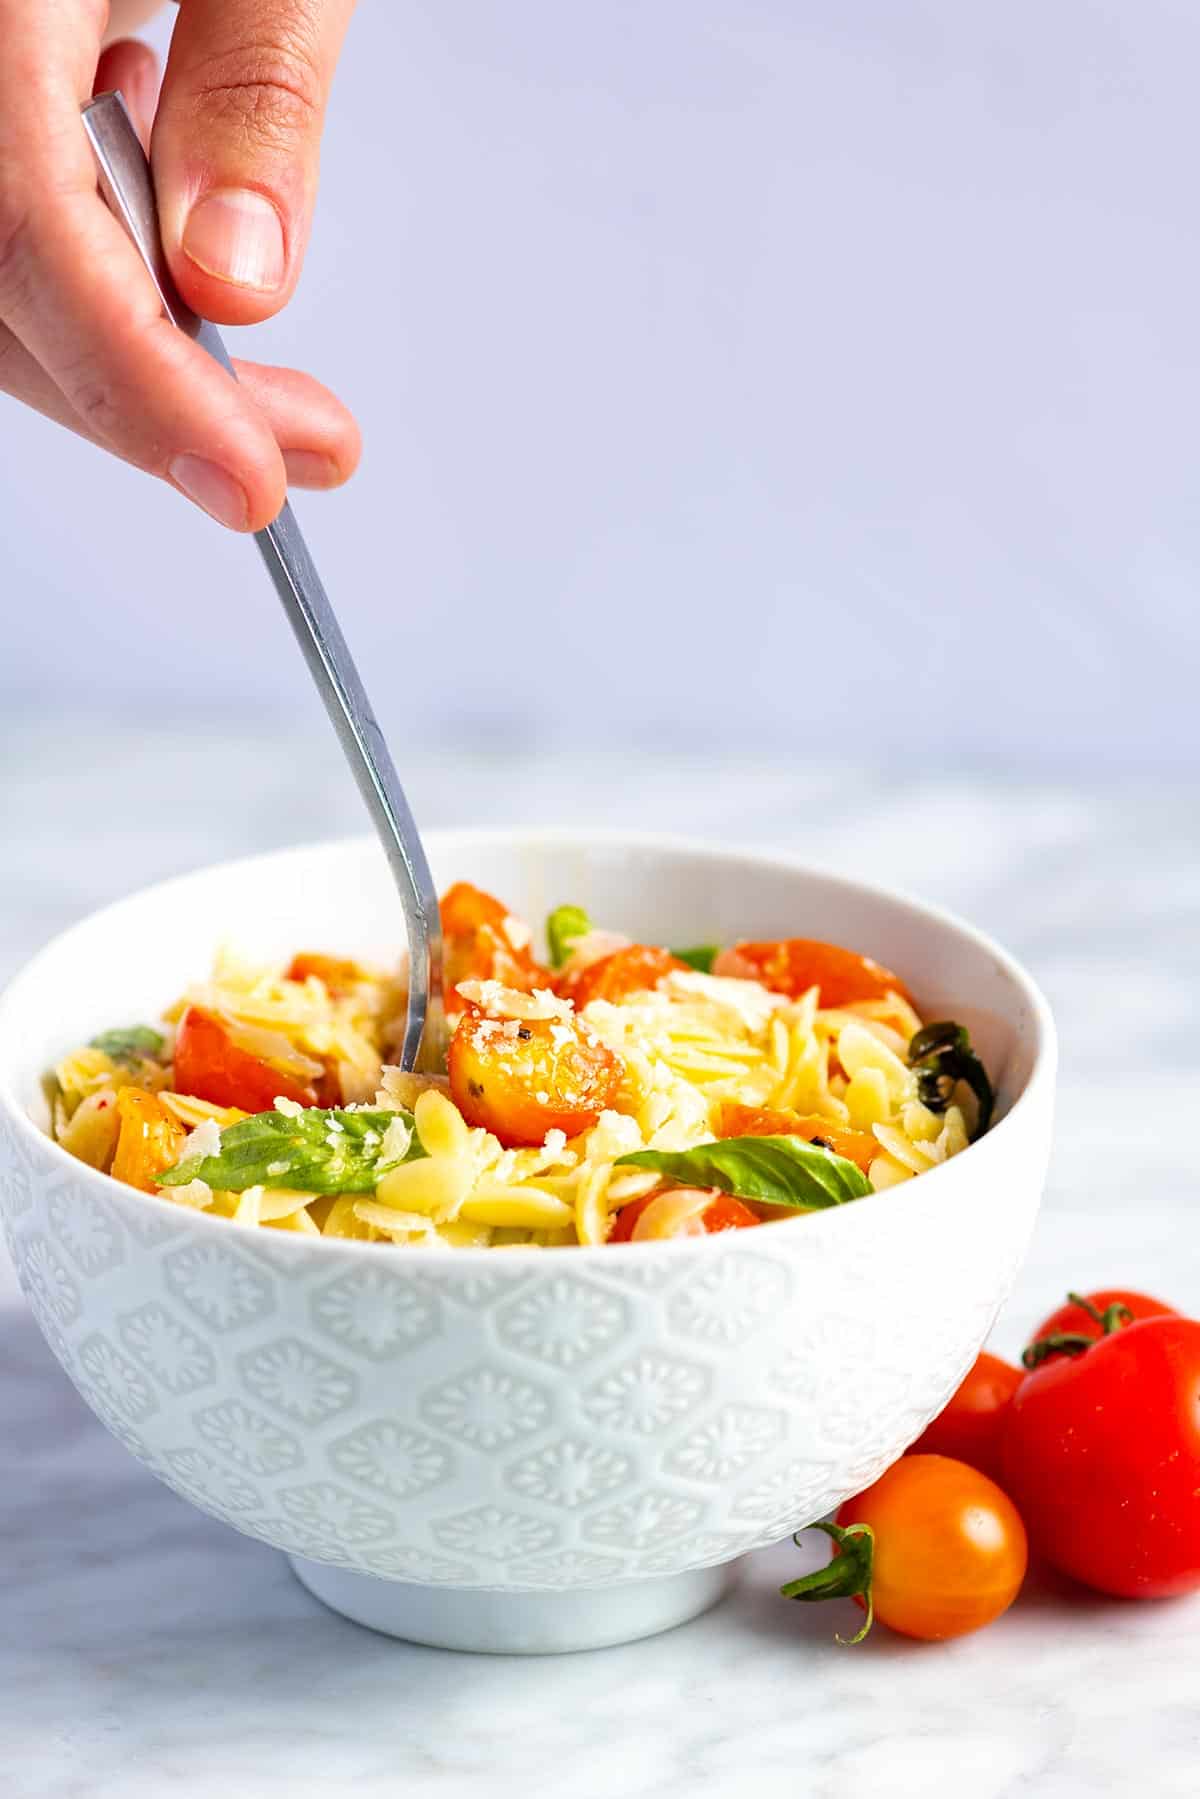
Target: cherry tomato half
column 637, row 968
column 149, row 1139
column 521, row 1078
column 971, row 1429
column 339, row 974
column 213, row 1062
column 484, row 942
column 1102, row 1454
column 948, row 1550
column 794, row 964
column 764, row 1121
column 681, row 1212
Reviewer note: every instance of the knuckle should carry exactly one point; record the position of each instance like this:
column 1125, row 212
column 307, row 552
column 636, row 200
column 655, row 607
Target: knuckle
column 270, row 93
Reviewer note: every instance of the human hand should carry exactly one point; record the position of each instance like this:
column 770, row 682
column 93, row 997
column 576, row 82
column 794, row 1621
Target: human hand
column 235, row 146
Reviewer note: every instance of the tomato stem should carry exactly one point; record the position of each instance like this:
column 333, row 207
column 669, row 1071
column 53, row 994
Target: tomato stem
column 1112, row 1318
column 847, row 1575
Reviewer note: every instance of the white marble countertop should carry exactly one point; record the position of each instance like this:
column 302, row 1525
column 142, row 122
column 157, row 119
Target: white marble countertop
column 145, row 1648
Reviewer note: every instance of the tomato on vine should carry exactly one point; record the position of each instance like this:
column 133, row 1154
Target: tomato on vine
column 1102, row 1451
column 971, row 1428
column 933, row 1550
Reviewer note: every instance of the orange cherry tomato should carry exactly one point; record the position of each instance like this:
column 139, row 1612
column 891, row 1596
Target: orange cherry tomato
column 1072, row 1320
column 720, row 1212
column 971, row 1429
column 948, row 1548
column 763, row 1121
column 520, row 1078
column 638, row 968
column 211, row 1064
column 794, row 964
column 149, row 1139
column 484, row 942
column 339, row 974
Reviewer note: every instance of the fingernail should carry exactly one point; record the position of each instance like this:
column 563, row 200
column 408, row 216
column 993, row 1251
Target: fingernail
column 309, row 468
column 218, row 493
column 234, row 234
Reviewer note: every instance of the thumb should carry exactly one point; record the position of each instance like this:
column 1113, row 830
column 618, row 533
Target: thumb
column 236, row 147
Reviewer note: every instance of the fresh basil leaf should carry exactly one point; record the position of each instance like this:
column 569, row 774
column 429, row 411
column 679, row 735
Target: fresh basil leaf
column 780, row 1171
column 701, row 958
column 563, row 927
column 941, row 1056
column 130, row 1045
column 316, row 1151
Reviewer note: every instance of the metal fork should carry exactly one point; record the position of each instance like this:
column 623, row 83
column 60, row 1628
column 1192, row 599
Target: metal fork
column 128, row 187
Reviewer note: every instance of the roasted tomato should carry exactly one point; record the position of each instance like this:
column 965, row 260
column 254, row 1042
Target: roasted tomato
column 339, row 974
column 680, row 1212
column 637, row 968
column 763, row 1121
column 484, row 942
column 217, row 1060
column 520, row 1078
column 971, row 1429
column 794, row 964
column 149, row 1139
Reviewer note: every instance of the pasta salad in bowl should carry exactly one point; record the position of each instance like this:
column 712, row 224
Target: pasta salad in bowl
column 605, row 1090
column 694, row 1231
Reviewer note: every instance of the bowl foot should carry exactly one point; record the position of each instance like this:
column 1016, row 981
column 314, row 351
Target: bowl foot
column 515, row 1623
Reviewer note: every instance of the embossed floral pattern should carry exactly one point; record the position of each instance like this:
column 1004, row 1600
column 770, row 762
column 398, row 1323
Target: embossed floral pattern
column 248, row 1438
column 727, row 1443
column 569, row 1568
column 295, row 1380
column 375, row 1313
column 727, row 1300
column 200, row 1478
column 563, row 1321
column 217, row 1285
column 114, row 1379
column 486, row 1407
column 85, row 1230
column 494, row 1534
column 329, row 1510
column 569, row 1473
column 391, row 1458
column 47, row 1282
column 652, row 1518
column 646, row 1395
column 167, row 1349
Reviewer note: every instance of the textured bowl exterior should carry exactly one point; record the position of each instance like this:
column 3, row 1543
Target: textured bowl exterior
column 522, row 1420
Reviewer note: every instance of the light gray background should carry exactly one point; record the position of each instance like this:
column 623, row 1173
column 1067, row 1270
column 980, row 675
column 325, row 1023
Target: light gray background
column 733, row 372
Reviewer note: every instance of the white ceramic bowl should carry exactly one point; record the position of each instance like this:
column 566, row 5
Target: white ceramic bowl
column 530, row 1449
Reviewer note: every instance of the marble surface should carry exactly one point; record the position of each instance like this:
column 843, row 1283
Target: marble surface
column 146, row 1648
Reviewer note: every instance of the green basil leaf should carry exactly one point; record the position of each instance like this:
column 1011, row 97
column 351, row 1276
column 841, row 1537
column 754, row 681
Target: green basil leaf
column 780, row 1171
column 129, row 1045
column 563, row 927
column 316, row 1151
column 701, row 958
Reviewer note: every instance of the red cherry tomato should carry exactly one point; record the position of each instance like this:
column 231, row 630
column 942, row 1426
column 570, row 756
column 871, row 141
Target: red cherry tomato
column 1102, row 1454
column 719, row 1212
column 948, row 1550
column 211, row 1063
column 484, row 942
column 1073, row 1320
column 520, row 1079
column 638, row 968
column 765, row 1121
column 971, row 1428
column 340, row 975
column 794, row 964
